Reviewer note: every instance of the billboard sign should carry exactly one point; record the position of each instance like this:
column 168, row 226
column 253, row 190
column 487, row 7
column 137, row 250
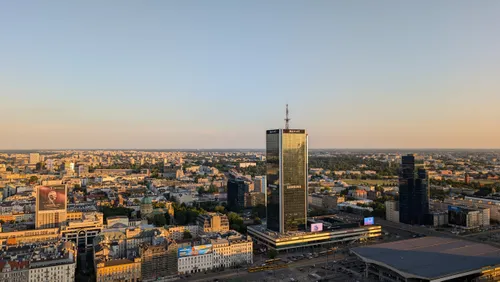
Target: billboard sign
column 51, row 198
column 316, row 227
column 369, row 221
column 194, row 250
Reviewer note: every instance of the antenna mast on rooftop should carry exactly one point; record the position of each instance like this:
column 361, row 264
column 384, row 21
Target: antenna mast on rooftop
column 287, row 120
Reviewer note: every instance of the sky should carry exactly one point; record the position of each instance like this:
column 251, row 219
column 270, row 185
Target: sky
column 217, row 74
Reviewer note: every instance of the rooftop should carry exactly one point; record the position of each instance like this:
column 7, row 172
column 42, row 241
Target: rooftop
column 430, row 257
column 117, row 262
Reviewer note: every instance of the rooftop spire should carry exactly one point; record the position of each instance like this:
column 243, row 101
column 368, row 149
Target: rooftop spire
column 287, row 120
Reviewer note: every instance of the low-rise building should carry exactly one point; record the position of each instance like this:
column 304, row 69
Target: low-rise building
column 54, row 261
column 235, row 249
column 194, row 259
column 158, row 260
column 82, row 227
column 358, row 194
column 177, row 232
column 213, row 222
column 14, row 271
column 220, row 251
column 29, row 236
column 118, row 270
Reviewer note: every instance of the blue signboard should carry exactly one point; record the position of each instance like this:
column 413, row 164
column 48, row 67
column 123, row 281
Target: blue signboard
column 369, row 221
column 194, row 251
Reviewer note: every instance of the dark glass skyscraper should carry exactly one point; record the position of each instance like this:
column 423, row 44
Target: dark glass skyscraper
column 413, row 192
column 286, row 155
column 236, row 189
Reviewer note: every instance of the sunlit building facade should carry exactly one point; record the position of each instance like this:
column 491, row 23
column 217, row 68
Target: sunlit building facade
column 286, row 160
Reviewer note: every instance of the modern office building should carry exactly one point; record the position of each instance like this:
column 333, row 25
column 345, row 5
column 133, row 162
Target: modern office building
column 236, row 189
column 51, row 205
column 468, row 218
column 286, row 158
column 413, row 192
column 327, row 237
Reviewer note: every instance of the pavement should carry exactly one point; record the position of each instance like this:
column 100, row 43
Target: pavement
column 299, row 270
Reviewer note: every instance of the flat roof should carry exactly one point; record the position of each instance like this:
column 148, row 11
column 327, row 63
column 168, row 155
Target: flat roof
column 431, row 257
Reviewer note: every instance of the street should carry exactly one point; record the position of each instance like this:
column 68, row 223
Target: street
column 293, row 271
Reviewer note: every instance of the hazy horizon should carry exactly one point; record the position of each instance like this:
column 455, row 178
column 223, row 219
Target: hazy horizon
column 217, row 74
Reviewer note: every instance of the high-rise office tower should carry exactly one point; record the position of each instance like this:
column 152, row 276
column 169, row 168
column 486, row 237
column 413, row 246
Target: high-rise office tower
column 413, row 192
column 286, row 159
column 236, row 189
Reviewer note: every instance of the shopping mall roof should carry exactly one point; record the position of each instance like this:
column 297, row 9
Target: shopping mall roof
column 431, row 258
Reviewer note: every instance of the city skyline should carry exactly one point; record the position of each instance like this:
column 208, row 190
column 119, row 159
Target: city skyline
column 216, row 75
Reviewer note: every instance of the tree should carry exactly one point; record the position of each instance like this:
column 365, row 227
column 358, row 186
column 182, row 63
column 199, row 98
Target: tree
column 256, row 220
column 212, row 189
column 219, row 209
column 201, row 190
column 272, row 253
column 159, row 220
column 109, row 211
column 187, row 235
column 33, row 179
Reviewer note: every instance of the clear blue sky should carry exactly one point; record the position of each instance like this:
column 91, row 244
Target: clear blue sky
column 217, row 74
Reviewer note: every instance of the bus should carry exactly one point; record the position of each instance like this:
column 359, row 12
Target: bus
column 272, row 260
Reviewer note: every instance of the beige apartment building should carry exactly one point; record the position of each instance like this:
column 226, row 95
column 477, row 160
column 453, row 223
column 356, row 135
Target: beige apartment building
column 213, row 222
column 29, row 236
column 118, row 270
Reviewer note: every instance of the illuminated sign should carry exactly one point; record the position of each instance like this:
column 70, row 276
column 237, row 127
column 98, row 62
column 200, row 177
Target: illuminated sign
column 51, row 198
column 194, row 250
column 316, row 227
column 369, row 221
column 294, row 131
column 294, row 186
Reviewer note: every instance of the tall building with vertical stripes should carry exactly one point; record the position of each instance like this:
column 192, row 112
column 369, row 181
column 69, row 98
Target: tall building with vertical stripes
column 286, row 179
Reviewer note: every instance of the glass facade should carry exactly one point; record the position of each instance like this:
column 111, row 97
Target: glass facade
column 236, row 189
column 286, row 179
column 294, row 177
column 273, row 179
column 413, row 192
